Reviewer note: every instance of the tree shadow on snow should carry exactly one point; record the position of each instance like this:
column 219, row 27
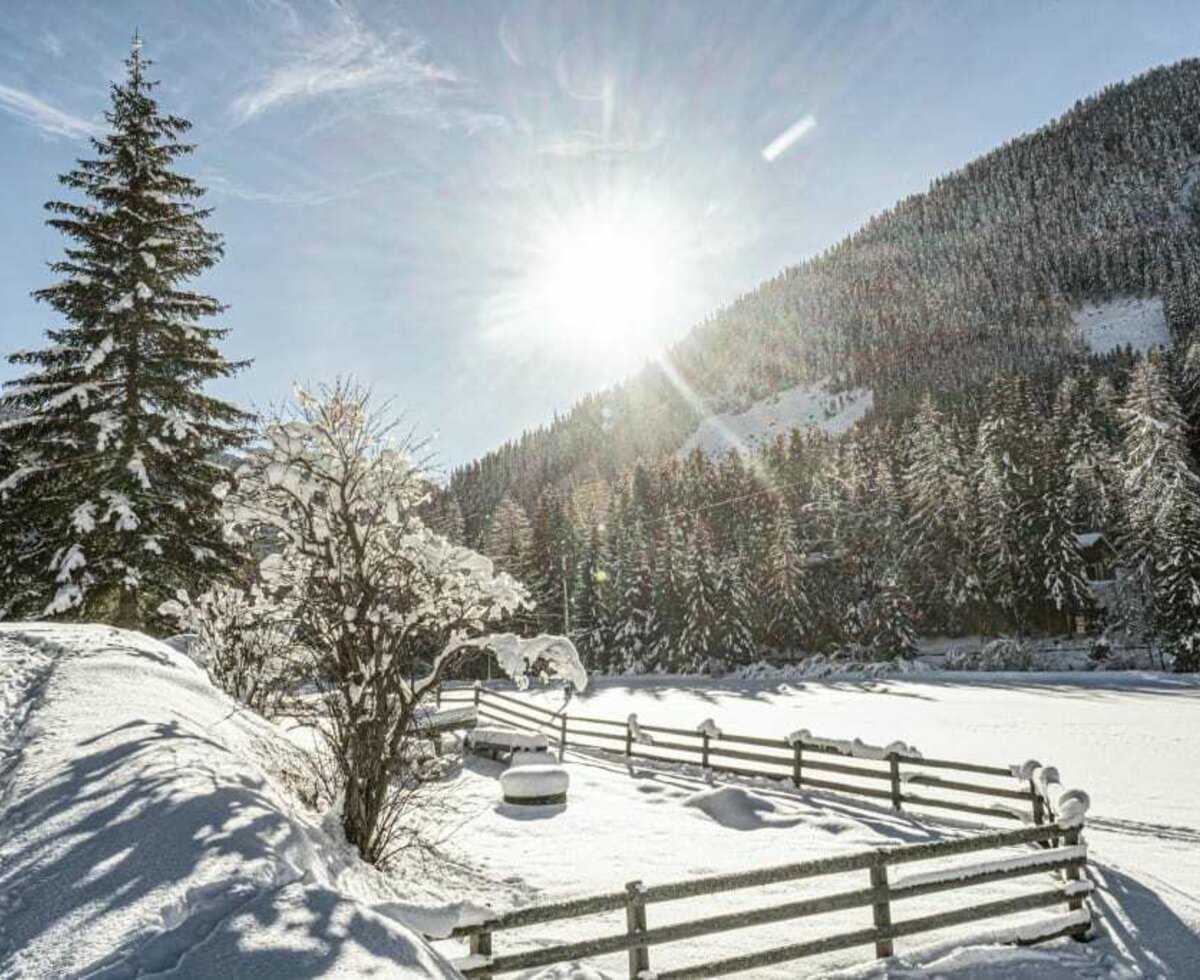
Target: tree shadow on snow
column 1143, row 926
column 140, row 817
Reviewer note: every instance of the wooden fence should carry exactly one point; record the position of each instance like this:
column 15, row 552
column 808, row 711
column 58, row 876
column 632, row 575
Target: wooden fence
column 1051, row 844
column 1063, row 855
column 896, row 779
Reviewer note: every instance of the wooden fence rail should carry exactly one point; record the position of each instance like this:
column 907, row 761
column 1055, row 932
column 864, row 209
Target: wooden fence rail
column 1063, row 855
column 898, row 779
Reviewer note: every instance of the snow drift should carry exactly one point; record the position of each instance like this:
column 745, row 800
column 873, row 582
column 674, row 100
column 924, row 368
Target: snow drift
column 142, row 829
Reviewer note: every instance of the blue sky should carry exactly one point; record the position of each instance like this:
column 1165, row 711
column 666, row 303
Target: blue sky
column 390, row 177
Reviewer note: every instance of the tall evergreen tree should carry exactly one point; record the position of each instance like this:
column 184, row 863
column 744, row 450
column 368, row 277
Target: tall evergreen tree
column 1162, row 502
column 118, row 447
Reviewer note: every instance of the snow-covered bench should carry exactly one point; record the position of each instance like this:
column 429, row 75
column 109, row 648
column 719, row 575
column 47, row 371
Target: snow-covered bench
column 533, row 785
column 504, row 743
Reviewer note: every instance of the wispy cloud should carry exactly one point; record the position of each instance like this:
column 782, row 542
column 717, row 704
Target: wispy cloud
column 40, row 113
column 789, row 137
column 390, row 72
column 585, row 143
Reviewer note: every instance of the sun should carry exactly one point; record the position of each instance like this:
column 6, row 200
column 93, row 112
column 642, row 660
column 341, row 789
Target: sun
column 604, row 282
column 605, row 278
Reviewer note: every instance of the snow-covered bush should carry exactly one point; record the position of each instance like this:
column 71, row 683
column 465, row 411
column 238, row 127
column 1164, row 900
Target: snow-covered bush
column 384, row 605
column 245, row 641
column 1001, row 654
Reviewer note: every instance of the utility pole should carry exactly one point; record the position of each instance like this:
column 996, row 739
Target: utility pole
column 566, row 600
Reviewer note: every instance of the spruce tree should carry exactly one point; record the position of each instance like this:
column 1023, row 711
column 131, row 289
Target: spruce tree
column 786, row 608
column 1162, row 504
column 118, row 446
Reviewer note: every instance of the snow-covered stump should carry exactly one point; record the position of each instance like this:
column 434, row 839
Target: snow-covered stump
column 533, row 785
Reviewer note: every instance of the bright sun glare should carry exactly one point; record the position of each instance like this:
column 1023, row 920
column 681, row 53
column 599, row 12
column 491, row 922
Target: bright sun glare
column 604, row 283
column 605, row 278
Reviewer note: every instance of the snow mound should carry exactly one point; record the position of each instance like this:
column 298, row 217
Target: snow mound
column 801, row 406
column 1126, row 321
column 739, row 809
column 142, row 832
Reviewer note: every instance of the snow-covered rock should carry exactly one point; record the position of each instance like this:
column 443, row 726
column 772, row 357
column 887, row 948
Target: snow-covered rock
column 142, row 830
column 798, row 407
column 1127, row 321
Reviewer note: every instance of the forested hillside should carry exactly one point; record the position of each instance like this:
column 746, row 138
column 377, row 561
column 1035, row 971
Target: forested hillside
column 964, row 515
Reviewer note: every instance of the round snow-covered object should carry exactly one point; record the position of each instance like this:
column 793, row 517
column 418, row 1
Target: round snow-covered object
column 1073, row 806
column 535, row 785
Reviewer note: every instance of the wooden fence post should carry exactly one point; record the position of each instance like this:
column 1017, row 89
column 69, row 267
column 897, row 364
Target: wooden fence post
column 478, row 690
column 1039, row 810
column 635, row 923
column 481, row 945
column 562, row 738
column 1071, row 874
column 797, row 752
column 628, row 739
column 704, row 750
column 881, row 910
column 894, row 762
column 438, row 695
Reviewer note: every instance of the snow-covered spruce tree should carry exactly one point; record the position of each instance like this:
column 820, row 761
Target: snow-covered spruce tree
column 938, row 531
column 117, row 445
column 1162, row 507
column 385, row 605
column 785, row 595
column 701, row 602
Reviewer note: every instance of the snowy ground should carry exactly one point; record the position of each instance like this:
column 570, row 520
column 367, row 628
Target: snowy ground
column 146, row 825
column 801, row 406
column 143, row 829
column 1129, row 739
column 1131, row 320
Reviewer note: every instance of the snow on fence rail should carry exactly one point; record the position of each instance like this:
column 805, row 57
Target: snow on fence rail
column 896, row 774
column 1064, row 855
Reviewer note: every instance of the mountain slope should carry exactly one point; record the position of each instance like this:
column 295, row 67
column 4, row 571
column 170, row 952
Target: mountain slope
column 975, row 276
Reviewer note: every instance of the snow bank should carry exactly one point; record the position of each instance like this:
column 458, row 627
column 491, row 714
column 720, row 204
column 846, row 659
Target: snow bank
column 801, row 406
column 1127, row 321
column 142, row 832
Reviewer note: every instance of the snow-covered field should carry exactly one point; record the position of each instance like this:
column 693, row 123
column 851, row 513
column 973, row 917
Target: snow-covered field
column 147, row 827
column 143, row 830
column 1133, row 321
column 801, row 406
column 1127, row 738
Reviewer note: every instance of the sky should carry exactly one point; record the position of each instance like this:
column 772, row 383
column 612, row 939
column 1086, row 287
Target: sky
column 487, row 209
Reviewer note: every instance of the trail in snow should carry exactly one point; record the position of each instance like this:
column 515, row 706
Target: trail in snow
column 24, row 669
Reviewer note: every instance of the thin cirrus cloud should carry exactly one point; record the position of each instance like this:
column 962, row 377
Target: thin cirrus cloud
column 390, row 73
column 40, row 113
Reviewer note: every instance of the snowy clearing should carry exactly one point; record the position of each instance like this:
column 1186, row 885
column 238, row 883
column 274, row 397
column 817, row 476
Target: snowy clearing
column 143, row 830
column 147, row 827
column 1124, row 737
column 801, row 406
column 1117, row 323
